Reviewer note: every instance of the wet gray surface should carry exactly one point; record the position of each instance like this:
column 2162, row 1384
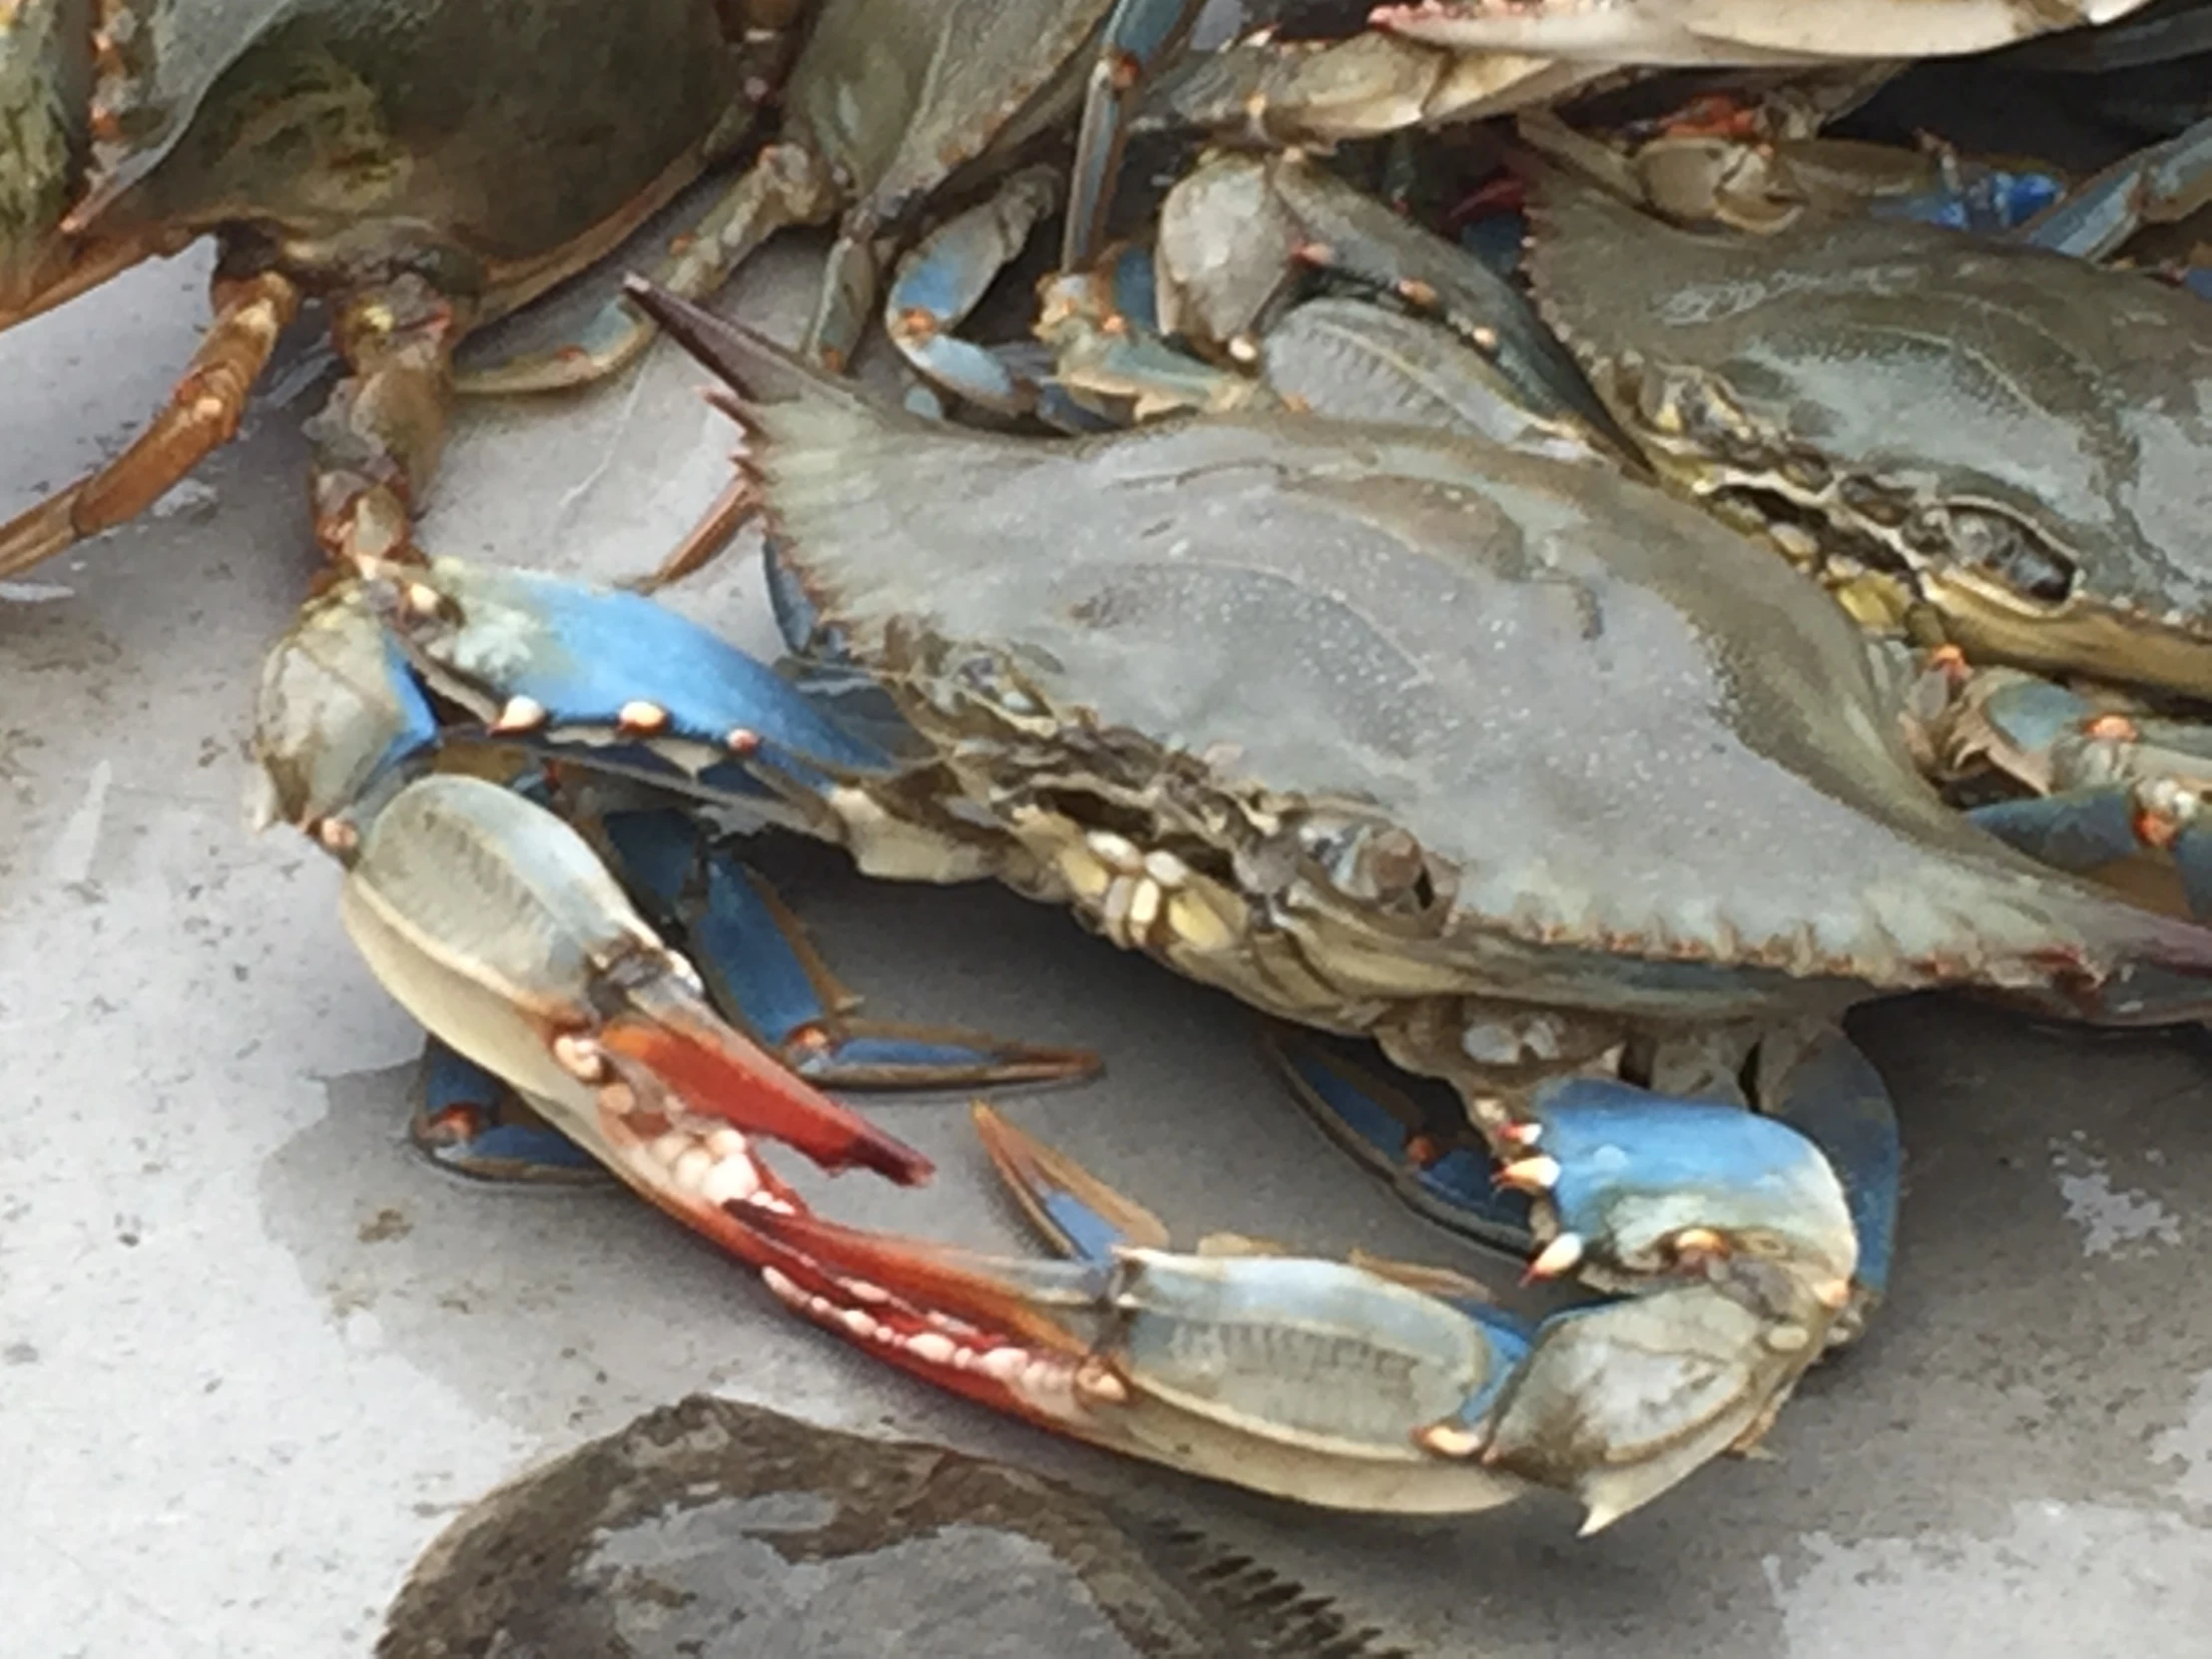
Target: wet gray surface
column 254, row 1357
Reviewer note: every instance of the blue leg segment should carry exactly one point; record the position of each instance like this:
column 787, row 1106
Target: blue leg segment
column 2162, row 184
column 470, row 1122
column 2086, row 831
column 1412, row 1131
column 763, row 975
column 1833, row 1096
column 1140, row 36
column 947, row 275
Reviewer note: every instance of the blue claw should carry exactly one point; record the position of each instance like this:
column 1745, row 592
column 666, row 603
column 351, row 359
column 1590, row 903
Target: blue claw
column 1412, row 1131
column 467, row 1120
column 1624, row 1170
column 764, row 976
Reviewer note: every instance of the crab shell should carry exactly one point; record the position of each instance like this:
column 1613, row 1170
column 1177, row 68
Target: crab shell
column 347, row 136
column 2017, row 438
column 1403, row 717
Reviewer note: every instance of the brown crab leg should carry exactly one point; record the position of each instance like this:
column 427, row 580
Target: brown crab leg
column 203, row 415
column 380, row 438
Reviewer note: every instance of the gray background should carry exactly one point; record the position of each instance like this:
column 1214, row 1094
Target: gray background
column 254, row 1354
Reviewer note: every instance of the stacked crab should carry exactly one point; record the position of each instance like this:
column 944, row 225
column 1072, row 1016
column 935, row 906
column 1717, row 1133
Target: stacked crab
column 1591, row 562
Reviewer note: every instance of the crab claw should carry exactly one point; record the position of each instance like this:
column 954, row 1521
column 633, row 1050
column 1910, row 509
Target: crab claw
column 1304, row 1378
column 1354, row 1386
column 497, row 928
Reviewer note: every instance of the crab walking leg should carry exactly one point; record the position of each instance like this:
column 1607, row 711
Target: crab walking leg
column 203, row 415
column 1408, row 1130
column 1140, row 36
column 786, row 187
column 946, row 274
column 467, row 1120
column 1367, row 1385
column 380, row 438
column 2110, row 788
column 493, row 923
column 759, row 966
column 2162, row 184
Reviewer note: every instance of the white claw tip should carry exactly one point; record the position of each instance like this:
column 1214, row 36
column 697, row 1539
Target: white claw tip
column 522, row 714
column 1563, row 1256
column 742, row 740
column 1448, row 1439
column 642, row 717
column 1598, row 1518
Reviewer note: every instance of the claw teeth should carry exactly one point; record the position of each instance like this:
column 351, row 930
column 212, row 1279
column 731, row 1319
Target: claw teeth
column 580, row 1057
column 935, row 1347
column 1522, row 1135
column 1563, row 1256
column 692, row 1167
column 731, row 1181
column 1537, row 1175
column 521, row 714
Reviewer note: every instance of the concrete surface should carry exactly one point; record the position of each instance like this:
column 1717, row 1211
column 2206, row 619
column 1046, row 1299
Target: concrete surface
column 252, row 1355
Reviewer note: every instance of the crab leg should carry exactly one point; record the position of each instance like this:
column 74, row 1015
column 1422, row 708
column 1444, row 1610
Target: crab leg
column 1412, row 1131
column 758, row 964
column 2161, row 185
column 946, row 277
column 203, row 415
column 467, row 1120
column 495, row 926
column 1139, row 37
column 2110, row 788
column 786, row 187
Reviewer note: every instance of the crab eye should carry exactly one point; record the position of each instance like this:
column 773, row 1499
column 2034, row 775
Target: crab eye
column 2006, row 549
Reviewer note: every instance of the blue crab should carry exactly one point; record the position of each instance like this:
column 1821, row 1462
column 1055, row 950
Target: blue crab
column 1388, row 732
column 364, row 156
column 1983, row 447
